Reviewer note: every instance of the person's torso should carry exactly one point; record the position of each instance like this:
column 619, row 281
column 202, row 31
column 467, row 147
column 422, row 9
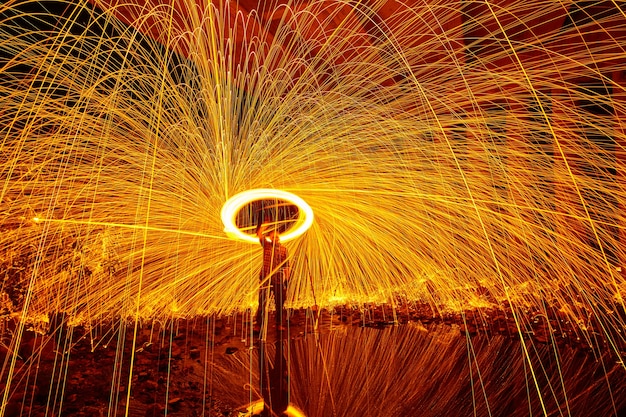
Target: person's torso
column 274, row 257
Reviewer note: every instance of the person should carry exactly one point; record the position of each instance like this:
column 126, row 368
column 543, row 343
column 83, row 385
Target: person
column 274, row 276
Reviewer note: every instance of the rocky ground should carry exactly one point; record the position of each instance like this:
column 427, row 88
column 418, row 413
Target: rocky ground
column 197, row 366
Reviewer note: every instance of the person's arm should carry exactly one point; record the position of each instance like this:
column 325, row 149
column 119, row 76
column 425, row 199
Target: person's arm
column 287, row 273
column 260, row 232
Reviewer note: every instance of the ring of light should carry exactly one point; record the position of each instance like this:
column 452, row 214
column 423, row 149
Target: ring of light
column 235, row 203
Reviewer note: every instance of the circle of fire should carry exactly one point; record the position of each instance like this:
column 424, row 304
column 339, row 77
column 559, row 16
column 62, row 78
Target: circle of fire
column 236, row 202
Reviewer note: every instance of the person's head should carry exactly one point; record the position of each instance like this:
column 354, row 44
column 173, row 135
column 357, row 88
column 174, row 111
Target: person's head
column 274, row 236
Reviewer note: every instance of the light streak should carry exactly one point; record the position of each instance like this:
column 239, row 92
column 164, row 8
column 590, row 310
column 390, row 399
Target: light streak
column 445, row 148
column 88, row 223
column 235, row 203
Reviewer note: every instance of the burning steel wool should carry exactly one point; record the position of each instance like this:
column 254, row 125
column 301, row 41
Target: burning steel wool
column 451, row 163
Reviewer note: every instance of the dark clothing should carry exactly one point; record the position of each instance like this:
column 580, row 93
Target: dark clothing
column 280, row 293
column 274, row 257
column 274, row 263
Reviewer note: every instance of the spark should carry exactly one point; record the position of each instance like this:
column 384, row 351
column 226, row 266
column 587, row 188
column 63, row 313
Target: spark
column 447, row 149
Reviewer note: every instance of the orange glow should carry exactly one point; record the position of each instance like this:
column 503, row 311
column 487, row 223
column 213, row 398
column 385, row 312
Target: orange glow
column 456, row 154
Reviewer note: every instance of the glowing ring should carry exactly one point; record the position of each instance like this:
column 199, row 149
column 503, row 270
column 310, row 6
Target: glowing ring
column 235, row 203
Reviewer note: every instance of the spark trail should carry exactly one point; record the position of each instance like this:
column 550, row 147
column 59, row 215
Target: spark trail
column 423, row 158
column 445, row 148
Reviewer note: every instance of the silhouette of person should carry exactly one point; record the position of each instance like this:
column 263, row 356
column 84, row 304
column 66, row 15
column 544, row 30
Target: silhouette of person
column 274, row 276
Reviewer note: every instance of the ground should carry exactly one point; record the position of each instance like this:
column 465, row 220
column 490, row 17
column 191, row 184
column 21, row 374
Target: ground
column 209, row 365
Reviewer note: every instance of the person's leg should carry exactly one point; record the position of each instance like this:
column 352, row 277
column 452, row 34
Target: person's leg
column 261, row 309
column 280, row 293
column 283, row 296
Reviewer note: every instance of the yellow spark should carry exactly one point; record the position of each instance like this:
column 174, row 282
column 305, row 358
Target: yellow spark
column 435, row 161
